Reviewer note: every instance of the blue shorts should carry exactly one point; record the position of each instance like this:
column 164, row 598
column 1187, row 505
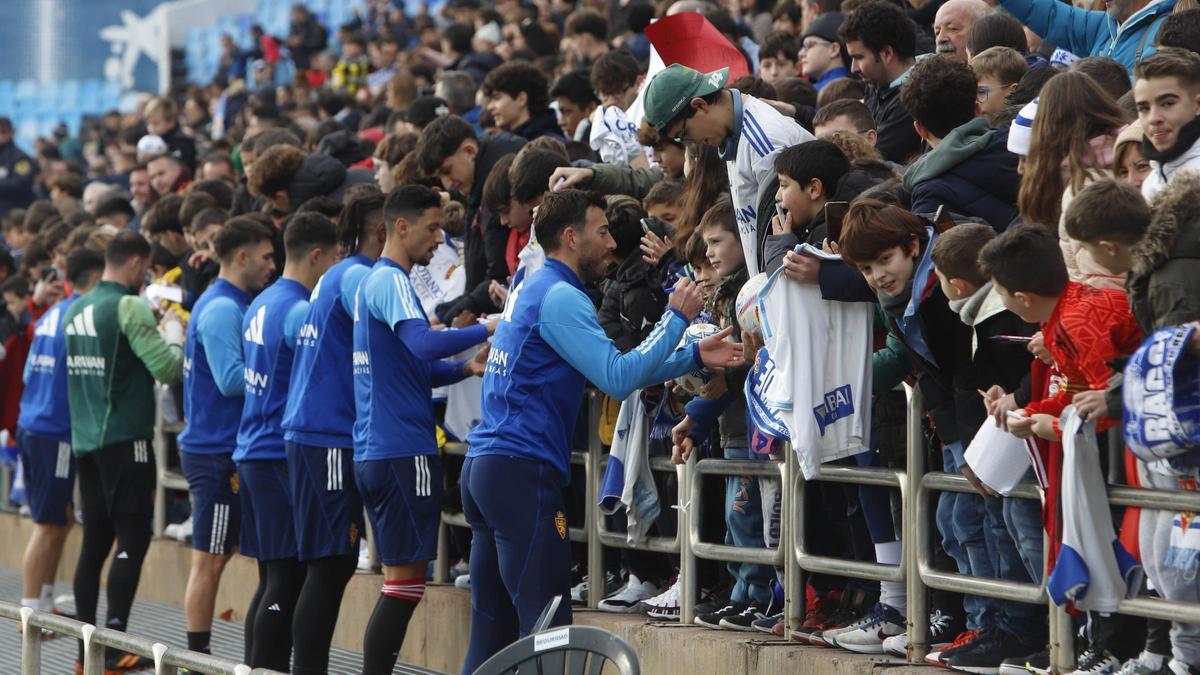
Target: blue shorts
column 267, row 532
column 327, row 510
column 404, row 501
column 216, row 508
column 49, row 470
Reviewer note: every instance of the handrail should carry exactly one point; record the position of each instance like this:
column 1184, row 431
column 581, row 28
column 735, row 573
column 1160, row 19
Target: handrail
column 167, row 659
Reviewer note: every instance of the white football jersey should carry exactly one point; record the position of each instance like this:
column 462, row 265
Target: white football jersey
column 822, row 384
column 614, row 136
column 765, row 132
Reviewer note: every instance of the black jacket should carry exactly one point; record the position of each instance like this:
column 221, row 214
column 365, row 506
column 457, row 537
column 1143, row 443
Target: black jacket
column 312, row 40
column 1002, row 363
column 17, row 172
column 897, row 139
column 182, row 146
column 323, row 175
column 544, row 124
column 476, row 64
column 633, row 302
column 485, row 239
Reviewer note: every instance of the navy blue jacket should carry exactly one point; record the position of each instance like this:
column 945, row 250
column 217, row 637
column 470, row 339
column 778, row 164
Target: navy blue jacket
column 971, row 172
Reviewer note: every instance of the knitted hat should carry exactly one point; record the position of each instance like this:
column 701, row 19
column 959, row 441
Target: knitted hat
column 1021, row 131
column 825, row 27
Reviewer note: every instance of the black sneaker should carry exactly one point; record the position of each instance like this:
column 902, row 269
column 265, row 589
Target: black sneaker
column 986, row 654
column 1096, row 660
column 745, row 620
column 1038, row 663
column 713, row 619
column 711, row 600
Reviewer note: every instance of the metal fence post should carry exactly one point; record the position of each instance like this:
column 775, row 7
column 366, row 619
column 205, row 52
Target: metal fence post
column 792, row 512
column 31, row 644
column 441, row 566
column 595, row 553
column 687, row 559
column 93, row 653
column 160, row 666
column 918, row 602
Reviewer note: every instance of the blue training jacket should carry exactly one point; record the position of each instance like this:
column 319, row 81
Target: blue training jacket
column 1093, row 32
column 547, row 345
column 213, row 379
column 44, row 402
column 320, row 404
column 269, row 334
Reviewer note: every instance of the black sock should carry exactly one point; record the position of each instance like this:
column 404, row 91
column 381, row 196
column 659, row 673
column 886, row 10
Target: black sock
column 385, row 634
column 317, row 612
column 200, row 641
column 252, row 611
column 272, row 647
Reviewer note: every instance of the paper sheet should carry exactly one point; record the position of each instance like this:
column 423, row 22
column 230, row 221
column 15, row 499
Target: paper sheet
column 998, row 458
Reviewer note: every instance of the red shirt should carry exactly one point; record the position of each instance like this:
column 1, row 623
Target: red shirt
column 1089, row 328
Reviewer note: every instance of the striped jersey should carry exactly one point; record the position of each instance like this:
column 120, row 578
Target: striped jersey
column 759, row 133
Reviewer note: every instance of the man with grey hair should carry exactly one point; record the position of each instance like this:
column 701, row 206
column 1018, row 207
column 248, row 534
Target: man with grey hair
column 94, row 193
column 952, row 24
column 457, row 89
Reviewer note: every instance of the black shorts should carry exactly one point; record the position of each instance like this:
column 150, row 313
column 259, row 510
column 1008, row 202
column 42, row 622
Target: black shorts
column 117, row 480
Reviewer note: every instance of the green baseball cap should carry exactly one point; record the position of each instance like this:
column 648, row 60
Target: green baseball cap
column 671, row 89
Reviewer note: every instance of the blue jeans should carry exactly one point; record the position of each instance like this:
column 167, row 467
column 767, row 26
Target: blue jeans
column 961, row 522
column 1019, row 619
column 1023, row 520
column 744, row 527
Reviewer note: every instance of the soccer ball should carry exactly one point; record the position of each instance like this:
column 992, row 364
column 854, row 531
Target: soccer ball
column 692, row 382
column 747, row 303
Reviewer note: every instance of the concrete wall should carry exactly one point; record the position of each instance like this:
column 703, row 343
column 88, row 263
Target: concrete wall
column 438, row 633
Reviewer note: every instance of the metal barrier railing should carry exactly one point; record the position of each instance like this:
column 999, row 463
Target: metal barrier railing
column 167, row 660
column 917, row 570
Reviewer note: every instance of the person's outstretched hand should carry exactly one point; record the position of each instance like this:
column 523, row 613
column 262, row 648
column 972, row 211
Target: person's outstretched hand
column 716, row 352
column 566, row 177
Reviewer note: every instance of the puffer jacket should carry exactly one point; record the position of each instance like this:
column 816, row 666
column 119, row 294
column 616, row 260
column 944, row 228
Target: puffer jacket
column 970, row 172
column 1165, row 278
column 323, row 175
column 1093, row 32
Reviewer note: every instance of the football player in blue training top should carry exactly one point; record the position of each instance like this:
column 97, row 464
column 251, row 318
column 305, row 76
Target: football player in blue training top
column 270, row 332
column 396, row 366
column 547, row 346
column 44, row 438
column 318, row 424
column 213, row 386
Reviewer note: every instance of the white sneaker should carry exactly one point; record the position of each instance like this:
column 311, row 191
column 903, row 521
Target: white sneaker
column 1177, row 667
column 627, row 598
column 364, row 555
column 1145, row 664
column 179, row 531
column 463, row 581
column 664, row 606
column 866, row 635
column 579, row 592
column 897, row 645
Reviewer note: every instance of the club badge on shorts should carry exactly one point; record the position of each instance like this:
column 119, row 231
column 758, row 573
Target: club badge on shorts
column 234, row 484
column 560, row 524
column 353, row 533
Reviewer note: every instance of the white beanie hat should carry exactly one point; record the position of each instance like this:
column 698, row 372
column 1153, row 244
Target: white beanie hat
column 1021, row 131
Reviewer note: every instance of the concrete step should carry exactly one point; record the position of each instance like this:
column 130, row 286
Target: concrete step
column 438, row 634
